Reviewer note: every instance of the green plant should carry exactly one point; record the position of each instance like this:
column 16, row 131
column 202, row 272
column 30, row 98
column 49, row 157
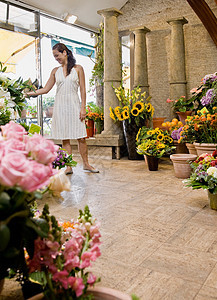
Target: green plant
column 14, row 89
column 32, row 110
column 182, row 104
column 98, row 69
column 5, row 113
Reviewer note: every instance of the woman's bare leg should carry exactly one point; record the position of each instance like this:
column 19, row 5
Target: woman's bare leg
column 82, row 147
column 66, row 145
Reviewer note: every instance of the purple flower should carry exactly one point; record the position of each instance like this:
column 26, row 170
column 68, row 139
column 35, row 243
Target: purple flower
column 208, row 99
column 209, row 77
column 176, row 133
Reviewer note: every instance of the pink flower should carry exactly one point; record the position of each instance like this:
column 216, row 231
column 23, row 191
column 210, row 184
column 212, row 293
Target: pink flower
column 13, row 130
column 169, row 100
column 194, row 90
column 13, row 169
column 14, row 145
column 41, row 149
column 91, row 279
column 72, row 263
column 77, row 285
column 62, row 276
column 37, row 176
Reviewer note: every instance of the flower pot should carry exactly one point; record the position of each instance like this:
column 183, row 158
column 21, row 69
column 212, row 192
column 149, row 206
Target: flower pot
column 181, row 164
column 130, row 132
column 205, row 148
column 183, row 115
column 157, row 123
column 98, row 127
column 212, row 200
column 191, row 148
column 99, row 293
column 180, row 147
column 152, row 162
column 90, row 128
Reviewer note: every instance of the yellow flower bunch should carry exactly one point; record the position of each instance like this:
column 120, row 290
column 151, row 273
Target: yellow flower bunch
column 173, row 125
column 132, row 105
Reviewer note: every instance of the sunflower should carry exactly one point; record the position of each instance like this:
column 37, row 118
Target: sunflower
column 149, row 107
column 150, row 132
column 137, row 136
column 160, row 137
column 127, row 108
column 112, row 114
column 135, row 112
column 125, row 114
column 139, row 105
column 120, row 117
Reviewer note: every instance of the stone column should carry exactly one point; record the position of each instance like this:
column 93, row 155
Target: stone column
column 140, row 59
column 177, row 59
column 112, row 67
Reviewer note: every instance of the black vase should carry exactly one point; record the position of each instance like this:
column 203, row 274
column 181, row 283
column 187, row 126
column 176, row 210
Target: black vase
column 152, row 162
column 130, row 131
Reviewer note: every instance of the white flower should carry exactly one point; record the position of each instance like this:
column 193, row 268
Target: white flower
column 212, row 171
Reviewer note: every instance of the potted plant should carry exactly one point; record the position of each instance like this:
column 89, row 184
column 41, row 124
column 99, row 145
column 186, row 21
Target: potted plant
column 96, row 113
column 153, row 143
column 134, row 111
column 204, row 176
column 182, row 107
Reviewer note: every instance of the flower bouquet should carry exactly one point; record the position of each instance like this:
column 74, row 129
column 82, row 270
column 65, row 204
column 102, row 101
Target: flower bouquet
column 25, row 169
column 132, row 106
column 60, row 260
column 63, row 159
column 205, row 94
column 154, row 142
column 204, row 175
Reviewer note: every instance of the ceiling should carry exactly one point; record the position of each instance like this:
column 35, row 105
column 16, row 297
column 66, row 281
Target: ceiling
column 85, row 10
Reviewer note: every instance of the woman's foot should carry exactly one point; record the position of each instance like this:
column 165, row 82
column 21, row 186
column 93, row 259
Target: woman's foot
column 90, row 169
column 68, row 171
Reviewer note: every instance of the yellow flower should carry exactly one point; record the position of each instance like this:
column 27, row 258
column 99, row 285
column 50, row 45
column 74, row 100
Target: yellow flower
column 120, row 117
column 160, row 137
column 126, row 107
column 149, row 107
column 137, row 136
column 150, row 132
column 117, row 111
column 111, row 114
column 139, row 105
column 135, row 112
column 125, row 114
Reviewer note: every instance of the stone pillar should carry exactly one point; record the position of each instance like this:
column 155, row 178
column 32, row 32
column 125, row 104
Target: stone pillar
column 112, row 67
column 140, row 59
column 177, row 59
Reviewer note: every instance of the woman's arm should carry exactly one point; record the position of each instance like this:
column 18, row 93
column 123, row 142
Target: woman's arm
column 48, row 86
column 81, row 77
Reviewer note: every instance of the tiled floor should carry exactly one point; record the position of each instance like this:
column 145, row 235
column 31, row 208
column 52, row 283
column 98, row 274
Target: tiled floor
column 159, row 238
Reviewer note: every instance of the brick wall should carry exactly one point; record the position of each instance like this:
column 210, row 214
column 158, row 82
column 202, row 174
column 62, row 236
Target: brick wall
column 200, row 50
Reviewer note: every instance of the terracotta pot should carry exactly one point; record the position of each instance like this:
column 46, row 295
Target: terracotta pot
column 191, row 148
column 152, row 162
column 157, row 123
column 180, row 147
column 212, row 200
column 99, row 293
column 90, row 128
column 205, row 148
column 183, row 115
column 181, row 164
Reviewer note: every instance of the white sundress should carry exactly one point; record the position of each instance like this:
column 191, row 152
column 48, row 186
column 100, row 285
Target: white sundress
column 65, row 122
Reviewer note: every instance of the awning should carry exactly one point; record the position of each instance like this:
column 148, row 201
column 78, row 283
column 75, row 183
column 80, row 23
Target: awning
column 14, row 46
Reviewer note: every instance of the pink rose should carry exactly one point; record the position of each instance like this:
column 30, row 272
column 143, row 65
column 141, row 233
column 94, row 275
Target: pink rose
column 169, row 100
column 14, row 145
column 13, row 169
column 37, row 176
column 13, row 130
column 41, row 149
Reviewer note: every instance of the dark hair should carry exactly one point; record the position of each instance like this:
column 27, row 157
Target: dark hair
column 70, row 58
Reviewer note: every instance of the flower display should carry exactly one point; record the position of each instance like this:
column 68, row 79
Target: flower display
column 63, row 159
column 25, row 170
column 131, row 105
column 154, row 142
column 204, row 173
column 201, row 127
column 205, row 94
column 176, row 134
column 59, row 260
column 175, row 124
column 181, row 104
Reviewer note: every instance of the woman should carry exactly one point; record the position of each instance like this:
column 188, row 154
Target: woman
column 68, row 120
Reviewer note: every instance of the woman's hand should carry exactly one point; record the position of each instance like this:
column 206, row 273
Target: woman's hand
column 82, row 114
